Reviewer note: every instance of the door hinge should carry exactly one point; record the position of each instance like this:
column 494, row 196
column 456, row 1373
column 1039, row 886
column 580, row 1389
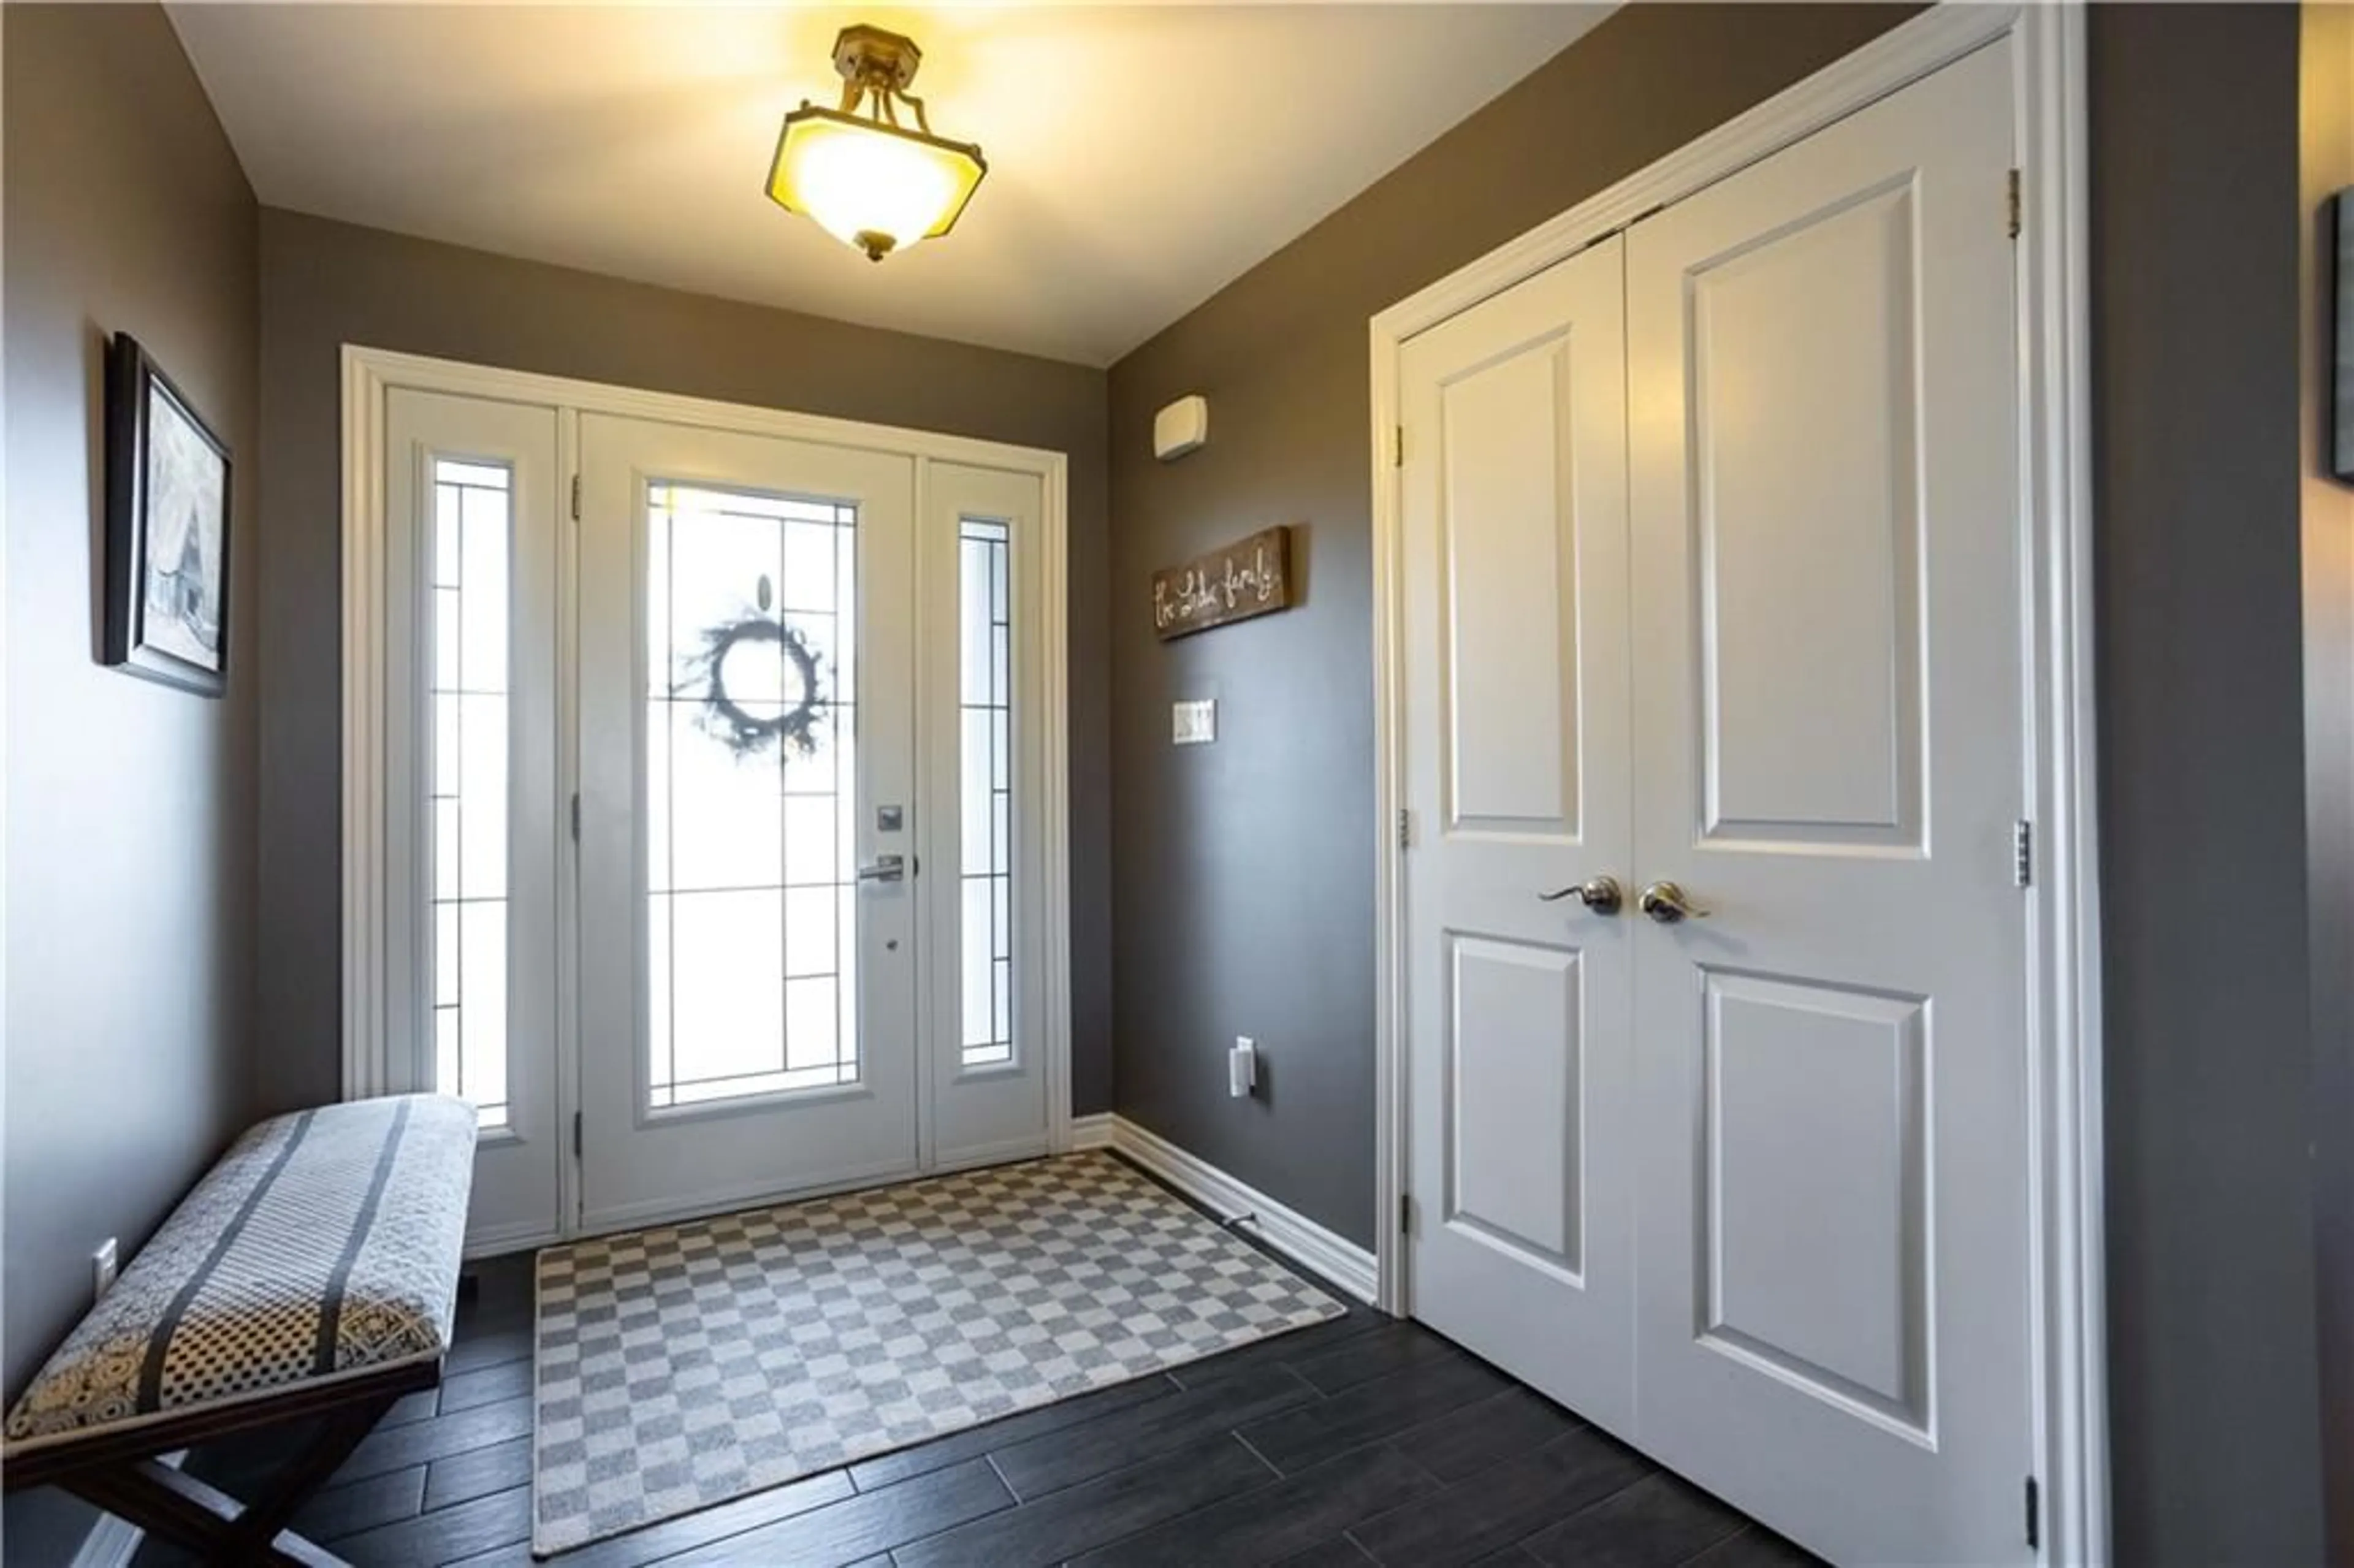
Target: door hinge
column 1397, row 446
column 1405, row 1213
column 2023, row 854
column 576, row 498
column 576, row 816
column 2034, row 1514
column 1405, row 827
column 576, row 1135
column 2014, row 204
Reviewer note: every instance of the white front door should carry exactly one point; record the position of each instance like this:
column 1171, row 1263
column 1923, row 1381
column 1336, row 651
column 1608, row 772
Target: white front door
column 1832, row 1126
column 1520, row 1051
column 748, row 779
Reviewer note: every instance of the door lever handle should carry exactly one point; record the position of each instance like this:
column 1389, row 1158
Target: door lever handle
column 1599, row 893
column 1665, row 903
column 886, row 868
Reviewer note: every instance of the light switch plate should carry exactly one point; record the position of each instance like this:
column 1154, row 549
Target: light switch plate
column 1193, row 723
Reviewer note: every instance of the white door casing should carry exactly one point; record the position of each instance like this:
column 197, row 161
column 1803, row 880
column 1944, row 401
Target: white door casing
column 1514, row 586
column 383, row 891
column 1837, row 669
column 1835, row 1313
column 2060, row 1499
column 640, row 1161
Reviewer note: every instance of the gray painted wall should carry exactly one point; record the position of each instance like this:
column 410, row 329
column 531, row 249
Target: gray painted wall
column 324, row 284
column 131, row 806
column 2195, row 231
column 1243, row 871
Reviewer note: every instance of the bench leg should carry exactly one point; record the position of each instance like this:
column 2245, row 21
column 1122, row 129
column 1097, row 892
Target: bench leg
column 215, row 1526
column 187, row 1512
column 265, row 1517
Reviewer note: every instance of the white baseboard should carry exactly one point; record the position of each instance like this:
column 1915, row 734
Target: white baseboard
column 1298, row 1237
column 112, row 1542
column 1091, row 1131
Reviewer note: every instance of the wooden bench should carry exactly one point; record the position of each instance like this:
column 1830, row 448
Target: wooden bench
column 311, row 1274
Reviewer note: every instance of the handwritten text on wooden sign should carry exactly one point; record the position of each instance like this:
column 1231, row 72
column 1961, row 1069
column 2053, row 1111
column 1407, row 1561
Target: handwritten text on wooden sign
column 1252, row 578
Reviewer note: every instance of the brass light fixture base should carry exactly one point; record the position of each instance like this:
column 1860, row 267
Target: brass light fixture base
column 870, row 59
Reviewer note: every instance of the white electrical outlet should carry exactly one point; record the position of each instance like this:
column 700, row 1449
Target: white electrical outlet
column 1242, row 1067
column 101, row 1266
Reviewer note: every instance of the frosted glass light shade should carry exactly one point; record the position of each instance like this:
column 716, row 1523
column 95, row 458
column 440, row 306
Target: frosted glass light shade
column 872, row 186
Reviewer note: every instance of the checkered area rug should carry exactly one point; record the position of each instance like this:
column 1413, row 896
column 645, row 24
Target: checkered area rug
column 681, row 1367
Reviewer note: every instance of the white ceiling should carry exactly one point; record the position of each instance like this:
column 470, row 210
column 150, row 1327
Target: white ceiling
column 1140, row 156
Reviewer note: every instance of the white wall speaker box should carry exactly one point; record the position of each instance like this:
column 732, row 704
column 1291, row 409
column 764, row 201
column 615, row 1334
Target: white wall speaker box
column 1181, row 427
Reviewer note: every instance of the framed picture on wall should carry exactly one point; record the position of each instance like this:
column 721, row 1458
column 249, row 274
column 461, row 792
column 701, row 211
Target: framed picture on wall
column 167, row 501
column 2341, row 300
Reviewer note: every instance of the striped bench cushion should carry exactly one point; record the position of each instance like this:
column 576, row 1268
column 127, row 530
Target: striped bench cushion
column 325, row 1243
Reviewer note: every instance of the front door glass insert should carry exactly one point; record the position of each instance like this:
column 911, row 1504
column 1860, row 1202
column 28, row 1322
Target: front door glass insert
column 751, row 913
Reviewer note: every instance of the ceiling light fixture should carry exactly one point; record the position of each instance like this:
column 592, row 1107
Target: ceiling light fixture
column 873, row 183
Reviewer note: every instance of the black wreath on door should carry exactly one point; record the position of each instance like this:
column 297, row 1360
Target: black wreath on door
column 745, row 733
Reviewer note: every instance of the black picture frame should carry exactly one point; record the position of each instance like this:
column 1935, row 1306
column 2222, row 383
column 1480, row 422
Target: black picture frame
column 2342, row 297
column 166, row 621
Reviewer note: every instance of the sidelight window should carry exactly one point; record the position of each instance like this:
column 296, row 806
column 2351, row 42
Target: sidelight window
column 467, row 795
column 986, row 754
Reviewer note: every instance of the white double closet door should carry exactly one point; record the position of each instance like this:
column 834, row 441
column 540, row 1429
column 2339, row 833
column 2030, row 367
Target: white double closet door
column 1712, row 578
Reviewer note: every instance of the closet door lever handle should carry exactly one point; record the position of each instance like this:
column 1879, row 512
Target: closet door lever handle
column 1599, row 893
column 1665, row 903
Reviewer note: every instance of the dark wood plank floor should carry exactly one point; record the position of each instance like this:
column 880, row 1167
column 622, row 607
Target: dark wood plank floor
column 1363, row 1440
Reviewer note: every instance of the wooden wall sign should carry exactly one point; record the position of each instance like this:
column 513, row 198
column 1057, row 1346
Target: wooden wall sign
column 1246, row 578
